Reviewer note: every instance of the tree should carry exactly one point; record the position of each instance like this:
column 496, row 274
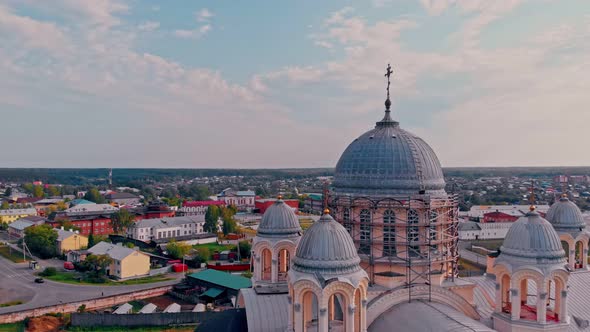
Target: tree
column 177, row 249
column 4, row 205
column 42, row 240
column 38, row 192
column 67, row 225
column 53, row 191
column 91, row 242
column 211, row 218
column 8, row 192
column 28, row 187
column 245, row 249
column 61, row 206
column 98, row 263
column 229, row 223
column 121, row 220
column 94, row 195
column 204, row 253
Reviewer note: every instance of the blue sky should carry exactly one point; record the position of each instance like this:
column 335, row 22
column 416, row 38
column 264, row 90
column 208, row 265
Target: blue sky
column 114, row 83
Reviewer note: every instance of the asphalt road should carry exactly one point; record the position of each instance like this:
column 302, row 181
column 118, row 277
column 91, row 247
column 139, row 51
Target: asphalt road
column 17, row 282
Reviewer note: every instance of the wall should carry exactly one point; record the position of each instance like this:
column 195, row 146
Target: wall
column 136, row 264
column 154, row 319
column 103, row 302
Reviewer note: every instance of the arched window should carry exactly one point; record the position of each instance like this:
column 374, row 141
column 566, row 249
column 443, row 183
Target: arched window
column 365, row 233
column 337, row 312
column 266, row 264
column 388, row 233
column 284, row 263
column 413, row 233
column 346, row 220
column 310, row 308
column 432, row 229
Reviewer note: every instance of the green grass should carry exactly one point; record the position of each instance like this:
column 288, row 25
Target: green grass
column 13, row 327
column 15, row 256
column 305, row 223
column 71, row 278
column 11, row 303
column 215, row 247
column 469, row 269
column 125, row 329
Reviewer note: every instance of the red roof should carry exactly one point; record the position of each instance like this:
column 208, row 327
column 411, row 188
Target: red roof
column 202, row 203
column 496, row 214
column 27, row 199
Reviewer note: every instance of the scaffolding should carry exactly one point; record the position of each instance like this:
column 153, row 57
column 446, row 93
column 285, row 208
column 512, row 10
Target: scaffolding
column 416, row 234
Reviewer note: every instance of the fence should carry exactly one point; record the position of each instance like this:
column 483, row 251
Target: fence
column 131, row 320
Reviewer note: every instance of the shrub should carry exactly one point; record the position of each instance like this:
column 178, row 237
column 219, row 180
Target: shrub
column 48, row 272
column 82, row 308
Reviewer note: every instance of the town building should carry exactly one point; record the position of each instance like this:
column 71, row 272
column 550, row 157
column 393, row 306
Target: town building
column 17, row 229
column 152, row 211
column 80, row 201
column 166, row 228
column 243, row 200
column 198, row 208
column 498, row 217
column 478, row 211
column 127, row 263
column 90, row 218
column 122, row 198
column 216, row 285
column 313, row 203
column 11, row 215
column 261, row 205
column 68, row 240
column 471, row 230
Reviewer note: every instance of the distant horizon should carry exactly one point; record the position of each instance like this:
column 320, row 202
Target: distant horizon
column 258, row 168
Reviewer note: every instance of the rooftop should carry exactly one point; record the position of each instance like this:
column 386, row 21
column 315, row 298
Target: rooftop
column 223, row 279
column 115, row 251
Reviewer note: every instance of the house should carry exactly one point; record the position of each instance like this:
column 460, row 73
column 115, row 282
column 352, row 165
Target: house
column 127, row 263
column 123, row 198
column 17, row 228
column 262, row 204
column 166, row 228
column 498, row 217
column 152, row 211
column 217, row 284
column 47, row 203
column 313, row 203
column 80, row 201
column 11, row 215
column 198, row 208
column 68, row 240
column 90, row 218
column 243, row 200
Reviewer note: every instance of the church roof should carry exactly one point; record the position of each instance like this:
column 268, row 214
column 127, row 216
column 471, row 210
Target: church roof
column 326, row 248
column 279, row 220
column 565, row 215
column 532, row 238
column 425, row 316
column 265, row 313
column 388, row 160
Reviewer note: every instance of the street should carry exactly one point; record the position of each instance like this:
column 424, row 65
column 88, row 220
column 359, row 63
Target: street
column 17, row 283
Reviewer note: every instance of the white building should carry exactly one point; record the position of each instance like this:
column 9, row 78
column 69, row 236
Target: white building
column 85, row 208
column 483, row 231
column 242, row 200
column 166, row 228
column 477, row 211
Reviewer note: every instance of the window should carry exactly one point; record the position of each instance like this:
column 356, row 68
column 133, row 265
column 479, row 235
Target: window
column 413, row 233
column 432, row 229
column 346, row 220
column 365, row 234
column 388, row 233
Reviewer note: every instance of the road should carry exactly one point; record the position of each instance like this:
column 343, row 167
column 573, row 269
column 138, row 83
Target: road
column 17, row 283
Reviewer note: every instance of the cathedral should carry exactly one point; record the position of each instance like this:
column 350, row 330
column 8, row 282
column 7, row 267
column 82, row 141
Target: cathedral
column 384, row 255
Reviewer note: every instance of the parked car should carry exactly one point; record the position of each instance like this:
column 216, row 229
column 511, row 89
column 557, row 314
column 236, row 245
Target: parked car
column 39, row 280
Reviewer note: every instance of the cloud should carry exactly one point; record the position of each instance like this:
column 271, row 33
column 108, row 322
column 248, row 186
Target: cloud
column 203, row 15
column 196, row 33
column 149, row 26
column 324, row 44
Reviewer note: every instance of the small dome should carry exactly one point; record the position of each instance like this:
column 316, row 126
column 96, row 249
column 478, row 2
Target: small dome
column 279, row 220
column 327, row 248
column 532, row 237
column 388, row 160
column 565, row 215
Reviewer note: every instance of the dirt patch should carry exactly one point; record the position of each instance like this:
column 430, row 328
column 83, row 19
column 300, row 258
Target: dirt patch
column 44, row 324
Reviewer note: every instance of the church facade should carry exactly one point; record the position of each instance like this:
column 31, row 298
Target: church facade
column 383, row 256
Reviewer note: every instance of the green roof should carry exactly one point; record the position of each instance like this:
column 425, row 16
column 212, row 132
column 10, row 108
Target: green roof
column 212, row 292
column 222, row 279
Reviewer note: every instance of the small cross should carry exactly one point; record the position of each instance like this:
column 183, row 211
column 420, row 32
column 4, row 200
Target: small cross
column 388, row 75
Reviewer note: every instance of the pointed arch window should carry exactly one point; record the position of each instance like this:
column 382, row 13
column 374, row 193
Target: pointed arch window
column 365, row 232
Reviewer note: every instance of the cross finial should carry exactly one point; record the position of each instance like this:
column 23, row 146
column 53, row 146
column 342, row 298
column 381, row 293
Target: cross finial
column 388, row 75
column 532, row 197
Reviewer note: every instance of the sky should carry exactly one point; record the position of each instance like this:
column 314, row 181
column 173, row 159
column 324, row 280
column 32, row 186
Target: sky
column 278, row 84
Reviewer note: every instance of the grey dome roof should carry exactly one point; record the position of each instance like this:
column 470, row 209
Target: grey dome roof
column 279, row 220
column 533, row 237
column 326, row 248
column 388, row 160
column 565, row 215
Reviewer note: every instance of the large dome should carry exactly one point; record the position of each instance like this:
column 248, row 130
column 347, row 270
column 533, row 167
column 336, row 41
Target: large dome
column 326, row 248
column 564, row 215
column 279, row 220
column 532, row 237
column 388, row 160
